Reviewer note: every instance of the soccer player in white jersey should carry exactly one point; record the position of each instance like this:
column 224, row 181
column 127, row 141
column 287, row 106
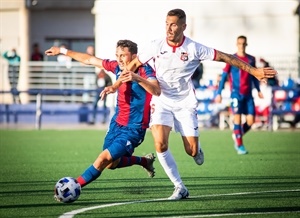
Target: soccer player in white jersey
column 176, row 57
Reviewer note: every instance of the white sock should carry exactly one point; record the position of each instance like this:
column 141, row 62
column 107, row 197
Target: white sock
column 168, row 163
column 199, row 146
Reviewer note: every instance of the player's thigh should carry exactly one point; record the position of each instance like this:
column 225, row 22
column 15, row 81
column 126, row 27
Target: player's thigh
column 250, row 106
column 237, row 107
column 186, row 122
column 161, row 115
column 123, row 140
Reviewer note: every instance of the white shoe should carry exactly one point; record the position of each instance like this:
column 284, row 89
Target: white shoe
column 199, row 158
column 179, row 193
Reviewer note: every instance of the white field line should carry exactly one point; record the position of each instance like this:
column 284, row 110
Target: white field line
column 72, row 213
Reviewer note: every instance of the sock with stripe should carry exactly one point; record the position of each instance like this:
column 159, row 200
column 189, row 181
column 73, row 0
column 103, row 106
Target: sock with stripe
column 89, row 175
column 133, row 160
column 237, row 130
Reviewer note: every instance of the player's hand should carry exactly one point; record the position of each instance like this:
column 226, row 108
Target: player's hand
column 260, row 95
column 262, row 74
column 53, row 51
column 107, row 90
column 127, row 76
column 218, row 99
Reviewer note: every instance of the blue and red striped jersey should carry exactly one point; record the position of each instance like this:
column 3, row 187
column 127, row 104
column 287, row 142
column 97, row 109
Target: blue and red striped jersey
column 133, row 101
column 240, row 80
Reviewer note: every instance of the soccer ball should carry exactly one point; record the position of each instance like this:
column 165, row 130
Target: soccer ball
column 67, row 190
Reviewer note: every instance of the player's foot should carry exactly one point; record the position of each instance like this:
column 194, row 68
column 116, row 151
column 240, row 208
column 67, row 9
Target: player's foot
column 234, row 142
column 242, row 150
column 149, row 167
column 179, row 193
column 199, row 158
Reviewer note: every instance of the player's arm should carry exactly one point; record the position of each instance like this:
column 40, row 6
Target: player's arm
column 259, row 73
column 132, row 66
column 150, row 85
column 257, row 87
column 218, row 98
column 78, row 56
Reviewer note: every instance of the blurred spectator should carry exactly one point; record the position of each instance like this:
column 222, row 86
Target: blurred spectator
column 88, row 79
column 13, row 71
column 12, row 56
column 36, row 54
column 102, row 80
column 262, row 105
column 289, row 83
column 271, row 81
column 64, row 60
column 219, row 107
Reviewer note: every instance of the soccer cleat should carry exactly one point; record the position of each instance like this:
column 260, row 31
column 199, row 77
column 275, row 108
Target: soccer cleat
column 179, row 193
column 234, row 142
column 149, row 168
column 242, row 150
column 199, row 158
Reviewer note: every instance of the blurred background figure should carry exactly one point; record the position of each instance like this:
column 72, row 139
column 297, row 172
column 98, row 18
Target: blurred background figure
column 12, row 56
column 36, row 54
column 88, row 79
column 262, row 105
column 102, row 80
column 63, row 63
column 64, row 60
column 271, row 81
column 13, row 72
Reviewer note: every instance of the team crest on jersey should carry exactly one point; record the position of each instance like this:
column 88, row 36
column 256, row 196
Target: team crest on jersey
column 184, row 56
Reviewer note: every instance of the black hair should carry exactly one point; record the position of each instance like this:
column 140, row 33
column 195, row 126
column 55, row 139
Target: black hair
column 132, row 46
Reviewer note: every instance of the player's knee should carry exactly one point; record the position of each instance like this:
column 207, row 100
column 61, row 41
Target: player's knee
column 112, row 166
column 161, row 147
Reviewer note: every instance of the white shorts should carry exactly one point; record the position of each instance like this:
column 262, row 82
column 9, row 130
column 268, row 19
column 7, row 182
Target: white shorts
column 184, row 119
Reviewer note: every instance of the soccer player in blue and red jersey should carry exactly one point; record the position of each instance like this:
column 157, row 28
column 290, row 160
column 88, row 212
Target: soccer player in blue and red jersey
column 128, row 126
column 242, row 101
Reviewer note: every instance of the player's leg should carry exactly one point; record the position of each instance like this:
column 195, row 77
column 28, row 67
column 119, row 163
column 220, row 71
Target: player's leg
column 122, row 146
column 237, row 106
column 95, row 170
column 160, row 135
column 95, row 106
column 161, row 125
column 186, row 122
column 250, row 114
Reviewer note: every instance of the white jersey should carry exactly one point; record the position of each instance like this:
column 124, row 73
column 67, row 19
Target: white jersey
column 175, row 66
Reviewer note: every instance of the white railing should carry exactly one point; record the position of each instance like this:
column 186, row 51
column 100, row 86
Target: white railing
column 52, row 75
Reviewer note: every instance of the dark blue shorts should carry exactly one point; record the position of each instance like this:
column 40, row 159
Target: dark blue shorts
column 122, row 140
column 241, row 104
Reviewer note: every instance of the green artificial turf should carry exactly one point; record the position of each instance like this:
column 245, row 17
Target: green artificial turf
column 263, row 183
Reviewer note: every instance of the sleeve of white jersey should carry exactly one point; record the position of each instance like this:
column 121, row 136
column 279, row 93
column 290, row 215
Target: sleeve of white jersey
column 146, row 53
column 205, row 53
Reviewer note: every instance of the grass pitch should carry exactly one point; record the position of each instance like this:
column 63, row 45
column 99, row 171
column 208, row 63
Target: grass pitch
column 264, row 183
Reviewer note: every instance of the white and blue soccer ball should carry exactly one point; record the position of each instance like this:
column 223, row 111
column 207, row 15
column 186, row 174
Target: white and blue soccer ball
column 67, row 190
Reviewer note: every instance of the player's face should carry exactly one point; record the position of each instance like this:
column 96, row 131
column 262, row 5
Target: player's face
column 241, row 44
column 123, row 57
column 174, row 29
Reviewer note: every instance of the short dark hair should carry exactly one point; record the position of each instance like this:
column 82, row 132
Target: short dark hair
column 125, row 43
column 178, row 13
column 242, row 37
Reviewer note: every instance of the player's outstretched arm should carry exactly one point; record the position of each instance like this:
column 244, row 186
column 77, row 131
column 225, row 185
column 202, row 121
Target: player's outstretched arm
column 78, row 56
column 262, row 74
